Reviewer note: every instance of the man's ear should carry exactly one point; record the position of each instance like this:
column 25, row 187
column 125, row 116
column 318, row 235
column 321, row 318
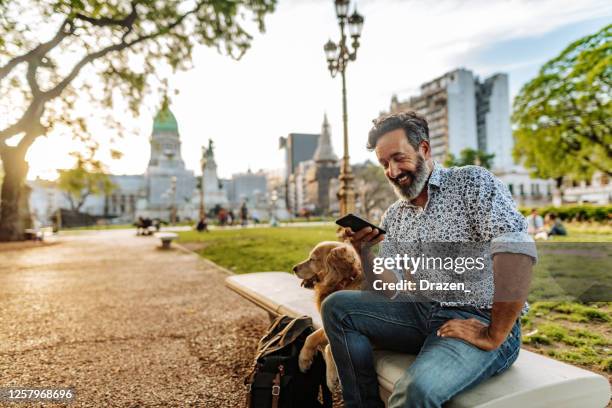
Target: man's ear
column 425, row 149
column 341, row 263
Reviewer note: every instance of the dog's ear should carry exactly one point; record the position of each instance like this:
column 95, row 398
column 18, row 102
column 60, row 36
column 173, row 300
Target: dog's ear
column 341, row 262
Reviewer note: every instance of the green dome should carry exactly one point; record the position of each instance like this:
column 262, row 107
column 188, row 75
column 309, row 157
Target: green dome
column 165, row 121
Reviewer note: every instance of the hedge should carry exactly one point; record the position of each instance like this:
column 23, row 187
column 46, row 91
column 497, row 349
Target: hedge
column 575, row 212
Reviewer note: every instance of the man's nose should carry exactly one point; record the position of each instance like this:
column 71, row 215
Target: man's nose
column 394, row 170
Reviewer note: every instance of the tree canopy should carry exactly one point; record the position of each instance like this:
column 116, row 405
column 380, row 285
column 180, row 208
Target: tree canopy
column 88, row 177
column 561, row 118
column 373, row 189
column 64, row 61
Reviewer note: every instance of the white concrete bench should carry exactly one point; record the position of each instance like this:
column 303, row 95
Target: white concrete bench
column 166, row 238
column 532, row 381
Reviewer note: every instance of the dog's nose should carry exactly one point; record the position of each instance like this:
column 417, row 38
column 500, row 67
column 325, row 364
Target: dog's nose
column 294, row 269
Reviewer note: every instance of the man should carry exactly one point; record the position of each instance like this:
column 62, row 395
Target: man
column 457, row 345
column 535, row 224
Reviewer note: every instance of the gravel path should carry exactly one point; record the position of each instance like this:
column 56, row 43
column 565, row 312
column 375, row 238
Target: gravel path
column 124, row 323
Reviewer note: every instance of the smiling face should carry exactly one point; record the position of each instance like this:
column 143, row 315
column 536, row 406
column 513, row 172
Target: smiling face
column 406, row 169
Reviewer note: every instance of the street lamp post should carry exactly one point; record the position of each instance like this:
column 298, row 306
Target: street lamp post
column 338, row 57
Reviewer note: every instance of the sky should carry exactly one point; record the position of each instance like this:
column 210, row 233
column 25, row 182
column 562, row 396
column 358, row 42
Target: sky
column 282, row 84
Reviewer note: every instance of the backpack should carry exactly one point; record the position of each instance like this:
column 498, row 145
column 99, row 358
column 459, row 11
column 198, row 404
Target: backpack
column 276, row 380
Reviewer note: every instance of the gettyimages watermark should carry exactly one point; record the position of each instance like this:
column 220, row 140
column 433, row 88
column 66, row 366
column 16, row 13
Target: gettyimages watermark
column 471, row 273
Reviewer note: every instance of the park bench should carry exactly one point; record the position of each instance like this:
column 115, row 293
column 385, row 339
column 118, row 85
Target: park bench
column 532, row 381
column 166, row 238
column 32, row 234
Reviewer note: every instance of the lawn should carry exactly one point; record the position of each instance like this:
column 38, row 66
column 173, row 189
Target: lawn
column 257, row 249
column 575, row 332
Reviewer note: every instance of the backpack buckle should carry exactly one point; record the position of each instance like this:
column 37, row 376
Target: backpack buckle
column 276, row 390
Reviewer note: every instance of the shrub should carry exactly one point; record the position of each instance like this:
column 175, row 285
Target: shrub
column 585, row 212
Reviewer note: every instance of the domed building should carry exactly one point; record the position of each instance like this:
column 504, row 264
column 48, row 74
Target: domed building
column 165, row 188
column 167, row 182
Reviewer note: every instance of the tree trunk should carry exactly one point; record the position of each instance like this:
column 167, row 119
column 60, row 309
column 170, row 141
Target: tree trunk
column 557, row 198
column 14, row 208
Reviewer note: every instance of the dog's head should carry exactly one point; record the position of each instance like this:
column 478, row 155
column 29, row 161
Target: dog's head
column 329, row 264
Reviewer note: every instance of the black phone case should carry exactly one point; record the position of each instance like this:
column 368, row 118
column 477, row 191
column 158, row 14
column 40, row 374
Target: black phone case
column 356, row 223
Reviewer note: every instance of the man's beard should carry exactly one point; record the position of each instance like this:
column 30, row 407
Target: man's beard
column 418, row 179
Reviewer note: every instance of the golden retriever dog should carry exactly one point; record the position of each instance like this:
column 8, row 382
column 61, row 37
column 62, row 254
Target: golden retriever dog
column 331, row 266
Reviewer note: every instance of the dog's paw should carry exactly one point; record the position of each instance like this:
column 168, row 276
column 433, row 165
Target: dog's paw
column 305, row 359
column 331, row 374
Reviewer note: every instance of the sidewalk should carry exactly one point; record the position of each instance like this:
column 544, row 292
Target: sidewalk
column 124, row 323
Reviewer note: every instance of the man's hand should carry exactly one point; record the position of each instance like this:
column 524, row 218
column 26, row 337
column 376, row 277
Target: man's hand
column 366, row 235
column 471, row 330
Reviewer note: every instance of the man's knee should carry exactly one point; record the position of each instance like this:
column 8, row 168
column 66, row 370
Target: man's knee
column 422, row 391
column 335, row 306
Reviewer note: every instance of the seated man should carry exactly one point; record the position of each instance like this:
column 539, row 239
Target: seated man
column 557, row 227
column 458, row 344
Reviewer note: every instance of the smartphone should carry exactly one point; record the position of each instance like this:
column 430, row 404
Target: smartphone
column 356, row 223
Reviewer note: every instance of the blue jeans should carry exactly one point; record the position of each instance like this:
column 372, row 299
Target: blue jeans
column 355, row 321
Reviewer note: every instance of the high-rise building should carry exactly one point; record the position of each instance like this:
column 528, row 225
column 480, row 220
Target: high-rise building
column 493, row 129
column 449, row 105
column 299, row 147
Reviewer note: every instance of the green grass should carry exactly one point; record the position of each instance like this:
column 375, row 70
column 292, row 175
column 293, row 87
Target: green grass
column 258, row 249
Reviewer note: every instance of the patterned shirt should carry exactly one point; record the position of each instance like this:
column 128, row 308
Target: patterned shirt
column 465, row 205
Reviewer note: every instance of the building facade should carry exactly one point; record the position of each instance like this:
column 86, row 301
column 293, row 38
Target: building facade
column 325, row 168
column 165, row 188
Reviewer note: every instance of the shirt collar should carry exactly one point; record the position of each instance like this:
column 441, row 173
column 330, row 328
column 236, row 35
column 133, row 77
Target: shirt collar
column 435, row 179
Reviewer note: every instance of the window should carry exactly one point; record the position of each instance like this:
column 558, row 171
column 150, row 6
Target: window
column 511, row 188
column 521, row 190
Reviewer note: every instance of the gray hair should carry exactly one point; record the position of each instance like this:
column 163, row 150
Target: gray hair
column 414, row 125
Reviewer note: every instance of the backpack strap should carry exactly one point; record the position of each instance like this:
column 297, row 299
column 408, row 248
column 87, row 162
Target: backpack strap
column 276, row 390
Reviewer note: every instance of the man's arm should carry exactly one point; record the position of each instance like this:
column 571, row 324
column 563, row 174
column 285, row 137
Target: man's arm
column 512, row 274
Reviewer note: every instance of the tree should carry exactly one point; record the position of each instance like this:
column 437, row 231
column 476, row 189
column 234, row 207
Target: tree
column 87, row 177
column 561, row 118
column 374, row 191
column 127, row 49
column 470, row 157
